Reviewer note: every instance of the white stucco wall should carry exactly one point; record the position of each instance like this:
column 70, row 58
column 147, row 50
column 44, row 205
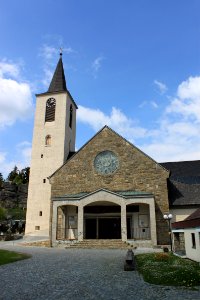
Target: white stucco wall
column 62, row 140
column 192, row 253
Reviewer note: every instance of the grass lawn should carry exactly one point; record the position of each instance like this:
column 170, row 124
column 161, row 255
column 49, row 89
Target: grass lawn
column 168, row 269
column 7, row 257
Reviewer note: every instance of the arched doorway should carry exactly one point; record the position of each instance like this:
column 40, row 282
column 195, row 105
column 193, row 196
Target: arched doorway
column 102, row 220
column 67, row 222
column 138, row 221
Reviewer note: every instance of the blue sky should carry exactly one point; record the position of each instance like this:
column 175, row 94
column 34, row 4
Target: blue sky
column 133, row 65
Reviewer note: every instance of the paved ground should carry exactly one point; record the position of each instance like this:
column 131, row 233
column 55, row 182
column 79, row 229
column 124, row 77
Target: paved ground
column 78, row 274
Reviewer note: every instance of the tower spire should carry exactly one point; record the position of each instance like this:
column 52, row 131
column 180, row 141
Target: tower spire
column 58, row 82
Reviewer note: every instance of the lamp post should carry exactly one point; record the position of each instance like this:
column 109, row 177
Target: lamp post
column 168, row 217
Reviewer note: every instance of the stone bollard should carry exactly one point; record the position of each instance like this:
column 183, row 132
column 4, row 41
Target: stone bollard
column 129, row 264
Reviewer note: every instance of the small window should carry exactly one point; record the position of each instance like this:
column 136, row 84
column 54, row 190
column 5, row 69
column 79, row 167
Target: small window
column 48, row 140
column 37, row 227
column 193, row 240
column 40, row 213
column 41, row 155
column 70, row 116
column 44, row 180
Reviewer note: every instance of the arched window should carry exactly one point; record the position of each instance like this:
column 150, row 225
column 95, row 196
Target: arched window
column 70, row 116
column 50, row 110
column 48, row 140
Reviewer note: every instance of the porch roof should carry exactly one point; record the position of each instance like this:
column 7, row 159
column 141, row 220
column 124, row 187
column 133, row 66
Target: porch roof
column 124, row 194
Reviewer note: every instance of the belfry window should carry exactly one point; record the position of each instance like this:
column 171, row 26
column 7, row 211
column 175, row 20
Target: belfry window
column 48, row 140
column 70, row 116
column 50, row 110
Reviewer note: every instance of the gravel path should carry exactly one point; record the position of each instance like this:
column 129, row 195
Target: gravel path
column 78, row 274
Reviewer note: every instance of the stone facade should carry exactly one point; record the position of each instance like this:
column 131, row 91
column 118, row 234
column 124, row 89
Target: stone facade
column 136, row 172
column 179, row 242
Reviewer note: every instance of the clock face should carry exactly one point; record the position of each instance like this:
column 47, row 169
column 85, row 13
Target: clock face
column 51, row 102
column 106, row 162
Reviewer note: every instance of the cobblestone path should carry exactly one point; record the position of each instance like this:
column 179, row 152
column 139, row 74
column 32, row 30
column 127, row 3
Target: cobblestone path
column 78, row 274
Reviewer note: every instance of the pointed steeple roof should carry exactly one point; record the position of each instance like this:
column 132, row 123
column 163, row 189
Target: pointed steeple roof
column 58, row 82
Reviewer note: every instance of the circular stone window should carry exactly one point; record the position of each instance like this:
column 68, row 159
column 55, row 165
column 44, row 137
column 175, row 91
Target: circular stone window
column 106, row 162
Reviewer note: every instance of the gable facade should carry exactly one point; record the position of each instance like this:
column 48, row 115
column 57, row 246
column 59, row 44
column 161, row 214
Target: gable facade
column 136, row 172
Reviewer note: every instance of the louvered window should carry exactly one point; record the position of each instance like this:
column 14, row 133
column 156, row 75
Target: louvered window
column 70, row 116
column 50, row 110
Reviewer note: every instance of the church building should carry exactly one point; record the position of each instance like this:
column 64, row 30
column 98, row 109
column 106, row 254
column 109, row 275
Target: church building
column 108, row 189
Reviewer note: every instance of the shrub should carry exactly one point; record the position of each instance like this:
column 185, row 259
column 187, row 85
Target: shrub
column 162, row 256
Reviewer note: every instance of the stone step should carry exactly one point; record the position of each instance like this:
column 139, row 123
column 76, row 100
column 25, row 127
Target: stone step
column 100, row 244
column 101, row 241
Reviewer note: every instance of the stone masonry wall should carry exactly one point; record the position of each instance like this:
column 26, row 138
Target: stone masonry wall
column 136, row 172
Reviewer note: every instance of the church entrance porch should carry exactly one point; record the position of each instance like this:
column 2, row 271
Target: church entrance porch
column 104, row 215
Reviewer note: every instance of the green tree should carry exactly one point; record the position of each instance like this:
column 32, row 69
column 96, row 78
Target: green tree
column 24, row 174
column 2, row 214
column 1, row 179
column 13, row 174
column 19, row 177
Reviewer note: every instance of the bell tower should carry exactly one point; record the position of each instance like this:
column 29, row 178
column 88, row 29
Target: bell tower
column 53, row 142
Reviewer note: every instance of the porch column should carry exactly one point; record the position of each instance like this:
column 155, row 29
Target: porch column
column 153, row 222
column 54, row 223
column 123, row 222
column 80, row 222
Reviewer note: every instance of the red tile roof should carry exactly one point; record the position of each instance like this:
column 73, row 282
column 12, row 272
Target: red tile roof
column 190, row 222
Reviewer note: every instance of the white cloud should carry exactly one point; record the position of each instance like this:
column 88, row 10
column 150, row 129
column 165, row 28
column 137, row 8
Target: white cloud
column 154, row 104
column 177, row 135
column 179, row 127
column 96, row 65
column 50, row 55
column 15, row 97
column 148, row 103
column 187, row 101
column 117, row 120
column 161, row 86
column 175, row 141
column 48, row 74
column 144, row 103
column 50, row 52
column 9, row 69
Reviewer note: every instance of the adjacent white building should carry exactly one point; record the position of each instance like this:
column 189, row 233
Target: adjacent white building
column 186, row 236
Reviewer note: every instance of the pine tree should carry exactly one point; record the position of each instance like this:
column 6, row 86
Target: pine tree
column 1, row 180
column 13, row 174
column 24, row 174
